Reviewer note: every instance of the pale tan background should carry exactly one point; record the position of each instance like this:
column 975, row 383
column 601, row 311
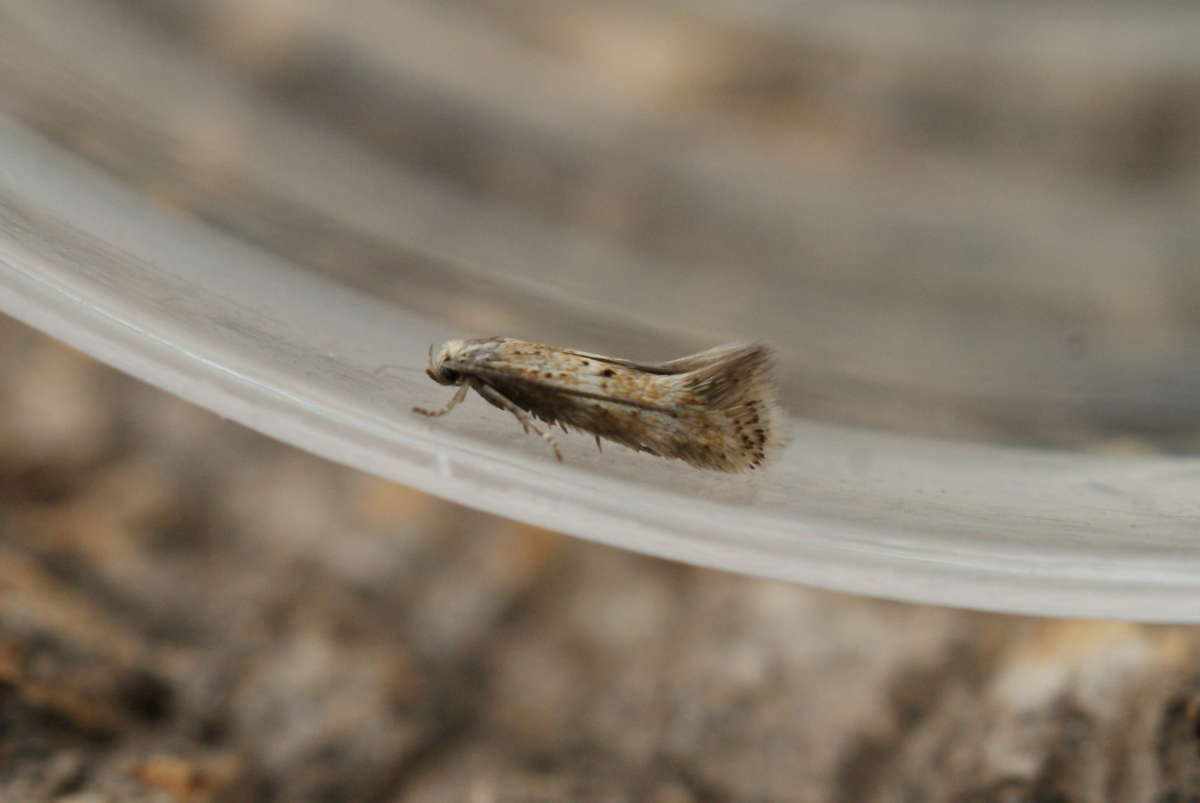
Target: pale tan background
column 191, row 612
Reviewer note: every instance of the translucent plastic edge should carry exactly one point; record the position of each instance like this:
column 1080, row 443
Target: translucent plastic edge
column 235, row 331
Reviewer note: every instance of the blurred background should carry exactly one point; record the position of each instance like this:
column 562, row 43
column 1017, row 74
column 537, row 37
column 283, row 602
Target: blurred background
column 970, row 220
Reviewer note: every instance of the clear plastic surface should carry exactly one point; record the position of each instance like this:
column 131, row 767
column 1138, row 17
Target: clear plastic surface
column 273, row 209
column 333, row 370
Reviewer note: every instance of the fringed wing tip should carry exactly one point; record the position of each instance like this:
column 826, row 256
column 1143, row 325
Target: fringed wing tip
column 759, row 423
column 737, row 382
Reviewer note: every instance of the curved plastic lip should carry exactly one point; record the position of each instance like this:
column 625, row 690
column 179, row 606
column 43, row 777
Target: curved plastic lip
column 333, row 371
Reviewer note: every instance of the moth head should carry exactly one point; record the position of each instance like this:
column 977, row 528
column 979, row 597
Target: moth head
column 439, row 368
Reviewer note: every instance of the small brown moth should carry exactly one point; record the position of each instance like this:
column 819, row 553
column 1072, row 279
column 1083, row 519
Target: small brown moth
column 714, row 410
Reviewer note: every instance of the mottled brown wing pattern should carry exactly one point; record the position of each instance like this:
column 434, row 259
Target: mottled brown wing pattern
column 714, row 410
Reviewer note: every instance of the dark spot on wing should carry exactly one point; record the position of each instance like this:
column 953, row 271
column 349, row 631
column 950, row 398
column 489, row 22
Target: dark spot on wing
column 609, row 372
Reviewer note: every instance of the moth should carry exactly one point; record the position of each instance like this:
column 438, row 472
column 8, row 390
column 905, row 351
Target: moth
column 715, row 410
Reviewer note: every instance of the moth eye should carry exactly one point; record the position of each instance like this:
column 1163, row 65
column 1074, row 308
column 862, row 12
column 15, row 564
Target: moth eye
column 450, row 375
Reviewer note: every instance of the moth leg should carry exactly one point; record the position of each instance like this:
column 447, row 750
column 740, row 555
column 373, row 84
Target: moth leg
column 598, row 449
column 454, row 402
column 500, row 400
